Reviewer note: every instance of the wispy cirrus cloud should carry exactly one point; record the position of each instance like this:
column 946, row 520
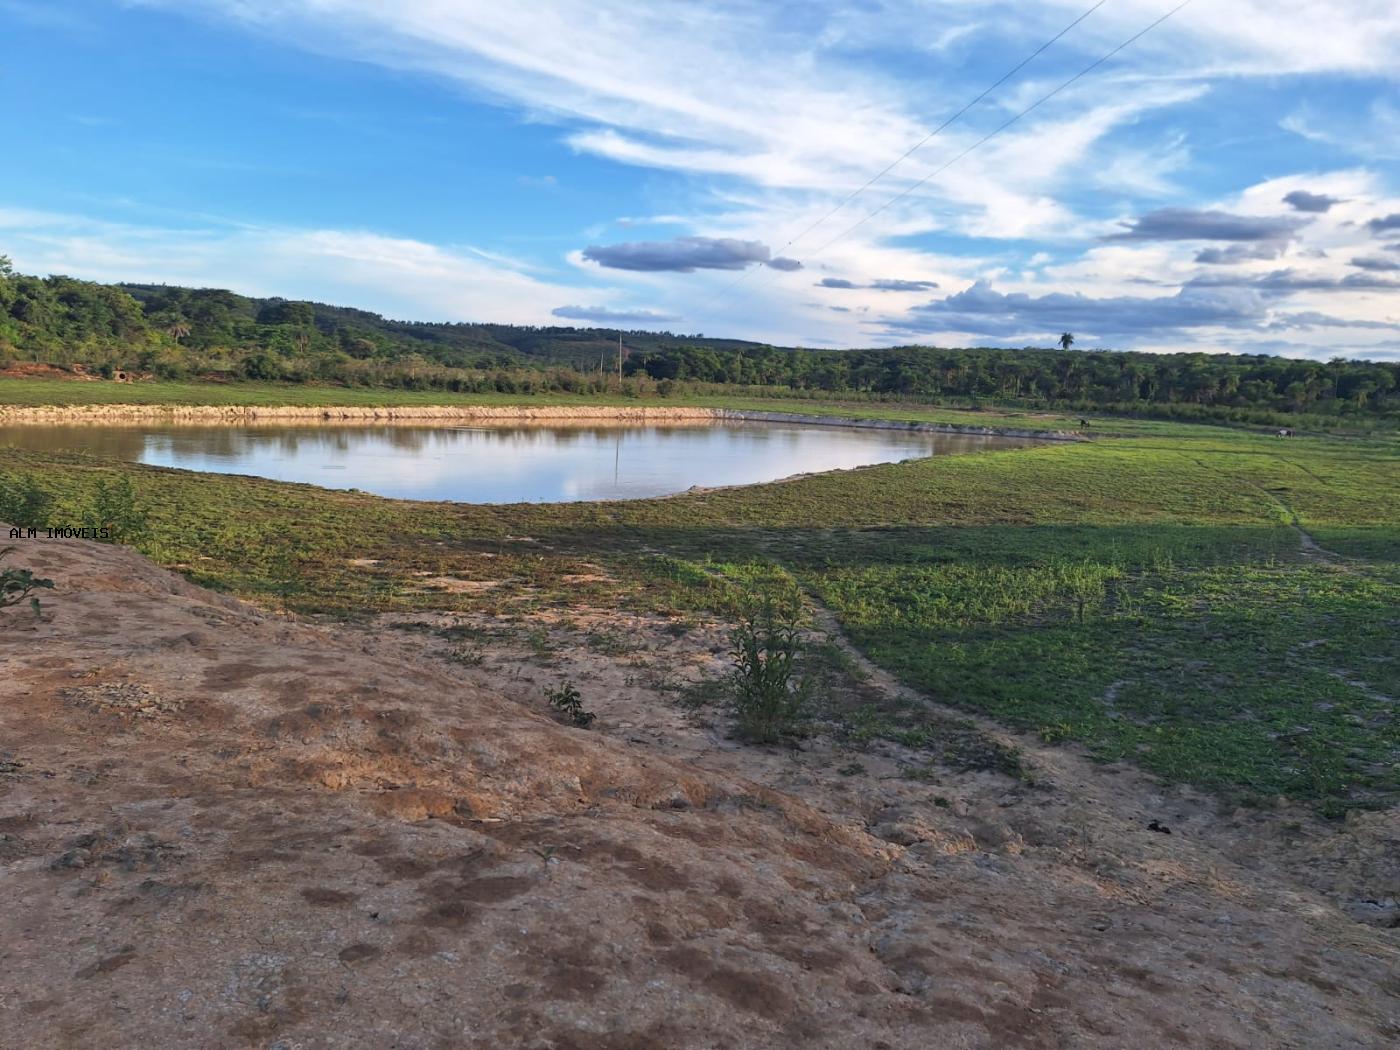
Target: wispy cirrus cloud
column 753, row 120
column 397, row 276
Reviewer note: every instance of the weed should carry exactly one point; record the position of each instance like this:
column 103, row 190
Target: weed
column 611, row 643
column 18, row 584
column 467, row 657
column 707, row 692
column 768, row 697
column 565, row 699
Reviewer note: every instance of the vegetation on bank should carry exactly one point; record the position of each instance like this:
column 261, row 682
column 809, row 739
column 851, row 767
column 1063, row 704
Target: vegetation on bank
column 1150, row 598
column 177, row 334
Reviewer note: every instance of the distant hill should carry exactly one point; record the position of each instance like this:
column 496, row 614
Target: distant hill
column 173, row 332
column 454, row 344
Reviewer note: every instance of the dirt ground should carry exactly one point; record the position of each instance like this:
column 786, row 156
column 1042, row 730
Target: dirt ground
column 222, row 828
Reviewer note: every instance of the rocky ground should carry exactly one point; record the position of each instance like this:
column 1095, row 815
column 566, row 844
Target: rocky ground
column 222, row 828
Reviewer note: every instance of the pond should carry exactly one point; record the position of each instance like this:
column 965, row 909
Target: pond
column 504, row 464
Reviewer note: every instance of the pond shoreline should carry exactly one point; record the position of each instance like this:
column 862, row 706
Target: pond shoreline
column 237, row 415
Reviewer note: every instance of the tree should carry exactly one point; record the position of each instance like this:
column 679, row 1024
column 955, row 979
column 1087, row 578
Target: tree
column 7, row 268
column 1066, row 340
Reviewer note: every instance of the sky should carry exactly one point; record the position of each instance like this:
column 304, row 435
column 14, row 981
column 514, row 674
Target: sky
column 1229, row 181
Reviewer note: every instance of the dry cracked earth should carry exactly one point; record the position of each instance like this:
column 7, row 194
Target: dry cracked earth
column 225, row 828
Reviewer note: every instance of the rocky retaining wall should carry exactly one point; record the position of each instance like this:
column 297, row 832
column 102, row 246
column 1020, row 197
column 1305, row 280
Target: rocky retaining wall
column 243, row 415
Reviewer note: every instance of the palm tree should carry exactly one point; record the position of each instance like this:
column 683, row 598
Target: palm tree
column 1066, row 340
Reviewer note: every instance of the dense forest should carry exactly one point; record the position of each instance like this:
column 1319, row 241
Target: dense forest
column 171, row 332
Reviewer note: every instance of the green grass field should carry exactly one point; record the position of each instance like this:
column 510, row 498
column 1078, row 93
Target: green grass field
column 1147, row 595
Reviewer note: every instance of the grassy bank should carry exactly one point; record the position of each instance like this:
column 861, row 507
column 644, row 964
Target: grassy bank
column 1150, row 597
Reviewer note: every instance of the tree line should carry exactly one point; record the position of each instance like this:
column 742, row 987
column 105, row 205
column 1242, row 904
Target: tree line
column 172, row 332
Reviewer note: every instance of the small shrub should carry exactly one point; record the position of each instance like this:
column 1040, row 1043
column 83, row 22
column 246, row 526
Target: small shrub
column 18, row 584
column 768, row 697
column 566, row 700
column 467, row 657
column 116, row 507
column 24, row 503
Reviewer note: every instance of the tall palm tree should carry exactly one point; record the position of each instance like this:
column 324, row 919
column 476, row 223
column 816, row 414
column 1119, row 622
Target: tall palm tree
column 1066, row 340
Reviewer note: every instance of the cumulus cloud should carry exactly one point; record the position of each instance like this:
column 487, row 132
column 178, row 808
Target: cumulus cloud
column 892, row 284
column 686, row 255
column 1285, row 281
column 609, row 316
column 1376, row 265
column 1307, row 320
column 1238, row 253
column 1189, row 224
column 888, row 284
column 983, row 310
column 1316, row 203
column 771, row 120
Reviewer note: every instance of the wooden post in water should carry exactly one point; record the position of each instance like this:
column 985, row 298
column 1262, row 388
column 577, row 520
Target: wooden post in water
column 619, row 362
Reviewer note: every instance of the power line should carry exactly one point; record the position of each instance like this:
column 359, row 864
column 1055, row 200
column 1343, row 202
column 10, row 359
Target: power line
column 998, row 130
column 1002, row 127
column 923, row 141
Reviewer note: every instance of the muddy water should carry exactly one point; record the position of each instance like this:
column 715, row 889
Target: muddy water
column 504, row 463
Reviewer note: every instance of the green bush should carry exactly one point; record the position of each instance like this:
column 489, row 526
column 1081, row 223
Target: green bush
column 24, row 503
column 116, row 507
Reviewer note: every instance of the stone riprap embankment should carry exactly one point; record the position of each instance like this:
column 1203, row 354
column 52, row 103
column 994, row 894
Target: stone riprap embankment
column 314, row 415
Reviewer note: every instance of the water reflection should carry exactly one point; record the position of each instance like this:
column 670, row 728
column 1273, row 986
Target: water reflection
column 504, row 464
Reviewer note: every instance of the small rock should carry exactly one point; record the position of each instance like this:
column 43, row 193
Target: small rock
column 1384, row 913
column 74, row 858
column 899, row 833
column 846, row 912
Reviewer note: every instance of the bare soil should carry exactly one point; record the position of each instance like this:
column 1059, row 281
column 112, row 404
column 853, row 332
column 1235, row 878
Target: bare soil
column 223, row 828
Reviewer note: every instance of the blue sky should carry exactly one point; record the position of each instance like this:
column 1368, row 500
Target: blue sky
column 1223, row 184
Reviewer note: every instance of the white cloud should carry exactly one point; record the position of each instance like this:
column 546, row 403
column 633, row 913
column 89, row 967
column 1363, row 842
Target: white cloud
column 396, row 276
column 777, row 111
